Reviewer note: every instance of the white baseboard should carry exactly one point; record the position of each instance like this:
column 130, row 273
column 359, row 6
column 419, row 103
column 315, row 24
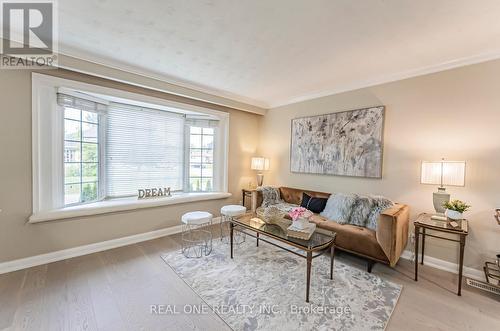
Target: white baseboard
column 36, row 260
column 445, row 265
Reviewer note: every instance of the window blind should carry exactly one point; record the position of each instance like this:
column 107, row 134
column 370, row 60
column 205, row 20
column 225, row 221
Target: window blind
column 66, row 100
column 144, row 149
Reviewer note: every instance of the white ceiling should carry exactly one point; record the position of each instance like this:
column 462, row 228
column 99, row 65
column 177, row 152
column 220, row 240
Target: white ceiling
column 273, row 52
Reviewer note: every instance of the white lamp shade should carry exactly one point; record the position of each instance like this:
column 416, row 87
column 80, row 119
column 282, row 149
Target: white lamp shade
column 260, row 163
column 444, row 173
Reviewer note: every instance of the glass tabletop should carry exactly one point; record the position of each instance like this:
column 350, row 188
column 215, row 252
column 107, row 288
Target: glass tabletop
column 278, row 231
column 427, row 221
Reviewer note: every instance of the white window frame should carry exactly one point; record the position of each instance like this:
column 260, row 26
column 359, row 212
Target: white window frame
column 48, row 151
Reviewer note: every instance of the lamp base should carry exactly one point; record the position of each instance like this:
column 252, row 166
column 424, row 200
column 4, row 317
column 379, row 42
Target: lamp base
column 439, row 198
column 260, row 179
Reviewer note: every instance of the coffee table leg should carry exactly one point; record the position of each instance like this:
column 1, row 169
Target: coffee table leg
column 332, row 256
column 231, row 237
column 257, row 239
column 308, row 277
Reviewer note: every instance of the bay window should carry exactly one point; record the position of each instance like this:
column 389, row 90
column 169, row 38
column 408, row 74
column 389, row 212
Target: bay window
column 94, row 144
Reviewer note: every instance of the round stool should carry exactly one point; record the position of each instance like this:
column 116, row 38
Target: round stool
column 196, row 239
column 228, row 213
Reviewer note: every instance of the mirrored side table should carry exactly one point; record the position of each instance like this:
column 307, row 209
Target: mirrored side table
column 424, row 224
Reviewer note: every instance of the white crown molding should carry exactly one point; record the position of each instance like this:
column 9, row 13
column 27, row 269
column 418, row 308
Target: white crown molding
column 230, row 99
column 453, row 64
column 445, row 265
column 64, row 254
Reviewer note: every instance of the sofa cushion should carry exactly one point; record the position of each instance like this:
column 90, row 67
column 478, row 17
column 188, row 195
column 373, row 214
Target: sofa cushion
column 316, row 205
column 339, row 207
column 353, row 238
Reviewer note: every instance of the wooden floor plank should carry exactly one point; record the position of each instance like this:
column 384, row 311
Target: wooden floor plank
column 29, row 314
column 10, row 287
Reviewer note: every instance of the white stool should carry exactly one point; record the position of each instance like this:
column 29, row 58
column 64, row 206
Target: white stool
column 228, row 213
column 196, row 239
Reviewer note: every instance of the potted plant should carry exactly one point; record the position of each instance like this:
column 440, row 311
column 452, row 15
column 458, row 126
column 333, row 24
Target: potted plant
column 455, row 209
column 300, row 217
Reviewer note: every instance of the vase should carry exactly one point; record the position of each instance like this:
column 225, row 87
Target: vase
column 300, row 223
column 453, row 214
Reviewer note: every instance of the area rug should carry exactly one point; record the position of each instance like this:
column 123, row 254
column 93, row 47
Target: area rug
column 263, row 288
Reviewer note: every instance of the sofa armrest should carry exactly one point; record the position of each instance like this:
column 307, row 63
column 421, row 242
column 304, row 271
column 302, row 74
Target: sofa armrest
column 392, row 231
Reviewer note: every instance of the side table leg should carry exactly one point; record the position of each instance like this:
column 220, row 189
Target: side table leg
column 257, row 239
column 423, row 245
column 461, row 264
column 417, row 230
column 231, row 237
column 308, row 276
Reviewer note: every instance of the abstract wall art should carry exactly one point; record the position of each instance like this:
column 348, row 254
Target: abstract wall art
column 348, row 143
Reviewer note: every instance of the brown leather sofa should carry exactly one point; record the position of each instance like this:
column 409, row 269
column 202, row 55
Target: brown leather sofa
column 385, row 245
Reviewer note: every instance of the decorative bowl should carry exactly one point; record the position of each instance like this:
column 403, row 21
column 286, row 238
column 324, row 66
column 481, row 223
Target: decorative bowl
column 271, row 214
column 453, row 214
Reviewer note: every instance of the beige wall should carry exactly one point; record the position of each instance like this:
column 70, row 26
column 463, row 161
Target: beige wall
column 453, row 114
column 18, row 239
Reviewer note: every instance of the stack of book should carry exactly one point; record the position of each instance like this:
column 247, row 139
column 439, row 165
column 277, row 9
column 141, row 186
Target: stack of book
column 305, row 233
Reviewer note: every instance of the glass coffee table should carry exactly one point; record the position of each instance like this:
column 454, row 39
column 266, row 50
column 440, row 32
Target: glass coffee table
column 253, row 226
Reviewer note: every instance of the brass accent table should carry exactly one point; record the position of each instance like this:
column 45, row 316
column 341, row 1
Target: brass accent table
column 424, row 222
column 253, row 226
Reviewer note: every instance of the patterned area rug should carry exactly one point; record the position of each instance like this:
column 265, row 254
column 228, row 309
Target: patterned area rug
column 263, row 288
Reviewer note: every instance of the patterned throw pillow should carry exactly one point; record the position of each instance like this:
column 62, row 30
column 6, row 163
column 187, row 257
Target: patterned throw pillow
column 270, row 196
column 339, row 207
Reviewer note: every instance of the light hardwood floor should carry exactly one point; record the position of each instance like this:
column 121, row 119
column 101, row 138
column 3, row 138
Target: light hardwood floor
column 113, row 290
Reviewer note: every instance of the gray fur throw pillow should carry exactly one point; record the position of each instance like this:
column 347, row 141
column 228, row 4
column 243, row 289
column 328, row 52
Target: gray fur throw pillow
column 361, row 211
column 339, row 207
column 380, row 204
column 270, row 196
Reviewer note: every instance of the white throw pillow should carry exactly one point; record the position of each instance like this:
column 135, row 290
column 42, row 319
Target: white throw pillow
column 339, row 207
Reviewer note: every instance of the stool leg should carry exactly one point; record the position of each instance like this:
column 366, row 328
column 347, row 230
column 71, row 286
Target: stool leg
column 208, row 244
column 221, row 225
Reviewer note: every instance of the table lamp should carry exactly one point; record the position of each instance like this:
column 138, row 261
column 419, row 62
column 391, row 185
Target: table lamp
column 442, row 173
column 260, row 164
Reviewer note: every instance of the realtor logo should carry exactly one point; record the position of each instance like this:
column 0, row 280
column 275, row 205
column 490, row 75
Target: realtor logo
column 28, row 34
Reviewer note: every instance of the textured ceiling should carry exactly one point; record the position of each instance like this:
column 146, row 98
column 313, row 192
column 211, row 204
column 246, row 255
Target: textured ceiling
column 273, row 52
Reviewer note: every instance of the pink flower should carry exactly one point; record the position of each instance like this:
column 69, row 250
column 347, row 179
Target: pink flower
column 298, row 212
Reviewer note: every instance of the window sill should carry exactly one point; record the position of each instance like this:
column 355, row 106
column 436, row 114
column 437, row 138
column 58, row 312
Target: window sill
column 117, row 205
